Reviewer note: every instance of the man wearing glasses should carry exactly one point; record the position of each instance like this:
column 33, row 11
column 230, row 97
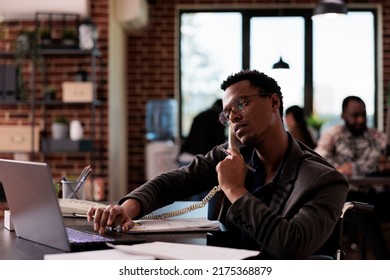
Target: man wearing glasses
column 280, row 197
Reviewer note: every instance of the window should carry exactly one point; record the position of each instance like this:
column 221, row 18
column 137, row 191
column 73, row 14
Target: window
column 275, row 37
column 328, row 60
column 207, row 57
column 343, row 64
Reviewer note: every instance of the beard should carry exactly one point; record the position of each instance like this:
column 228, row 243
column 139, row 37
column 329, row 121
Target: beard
column 356, row 129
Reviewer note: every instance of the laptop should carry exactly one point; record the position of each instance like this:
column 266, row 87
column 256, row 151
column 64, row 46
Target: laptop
column 36, row 213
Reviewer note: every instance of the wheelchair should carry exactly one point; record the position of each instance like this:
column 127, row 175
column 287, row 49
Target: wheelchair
column 333, row 247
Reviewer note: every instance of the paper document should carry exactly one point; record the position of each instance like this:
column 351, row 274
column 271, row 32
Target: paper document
column 108, row 254
column 177, row 251
column 174, row 225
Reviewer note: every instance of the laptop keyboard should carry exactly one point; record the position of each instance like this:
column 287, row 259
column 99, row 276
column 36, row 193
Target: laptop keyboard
column 76, row 236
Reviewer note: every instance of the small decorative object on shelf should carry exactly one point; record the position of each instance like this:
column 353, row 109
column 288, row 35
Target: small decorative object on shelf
column 19, row 138
column 59, row 128
column 81, row 75
column 77, row 92
column 76, row 130
column 87, row 35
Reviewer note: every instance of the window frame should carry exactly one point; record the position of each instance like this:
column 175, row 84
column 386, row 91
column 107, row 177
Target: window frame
column 306, row 13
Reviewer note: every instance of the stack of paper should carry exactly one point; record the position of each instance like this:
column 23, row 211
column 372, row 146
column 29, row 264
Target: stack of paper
column 177, row 251
column 109, row 254
column 159, row 250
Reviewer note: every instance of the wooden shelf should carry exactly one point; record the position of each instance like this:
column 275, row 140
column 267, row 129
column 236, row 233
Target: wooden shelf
column 48, row 102
column 66, row 145
column 53, row 52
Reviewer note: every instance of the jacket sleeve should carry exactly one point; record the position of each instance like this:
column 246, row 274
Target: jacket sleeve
column 199, row 176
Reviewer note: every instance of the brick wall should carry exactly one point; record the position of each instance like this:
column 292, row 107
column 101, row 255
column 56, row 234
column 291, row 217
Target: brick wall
column 151, row 68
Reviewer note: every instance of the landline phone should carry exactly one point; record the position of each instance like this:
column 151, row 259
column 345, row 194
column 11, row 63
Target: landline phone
column 79, row 208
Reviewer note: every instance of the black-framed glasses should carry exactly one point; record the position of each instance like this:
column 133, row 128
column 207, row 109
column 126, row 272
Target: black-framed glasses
column 238, row 106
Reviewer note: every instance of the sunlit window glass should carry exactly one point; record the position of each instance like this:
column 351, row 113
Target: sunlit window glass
column 208, row 55
column 275, row 37
column 343, row 64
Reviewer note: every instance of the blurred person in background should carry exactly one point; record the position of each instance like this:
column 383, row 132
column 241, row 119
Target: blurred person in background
column 355, row 150
column 206, row 132
column 296, row 124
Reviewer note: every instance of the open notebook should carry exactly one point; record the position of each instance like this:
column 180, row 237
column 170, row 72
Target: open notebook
column 36, row 214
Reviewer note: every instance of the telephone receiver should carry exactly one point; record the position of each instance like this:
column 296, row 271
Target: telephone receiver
column 233, row 143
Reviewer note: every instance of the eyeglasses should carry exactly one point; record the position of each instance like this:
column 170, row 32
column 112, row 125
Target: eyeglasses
column 238, row 106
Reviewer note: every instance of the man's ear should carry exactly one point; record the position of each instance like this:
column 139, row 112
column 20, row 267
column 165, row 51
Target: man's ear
column 275, row 101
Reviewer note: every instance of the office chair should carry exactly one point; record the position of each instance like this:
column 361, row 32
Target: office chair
column 333, row 249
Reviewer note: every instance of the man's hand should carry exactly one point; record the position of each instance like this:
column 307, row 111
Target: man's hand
column 231, row 175
column 114, row 215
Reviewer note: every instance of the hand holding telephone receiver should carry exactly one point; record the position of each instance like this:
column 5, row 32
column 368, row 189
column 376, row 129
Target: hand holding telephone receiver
column 233, row 143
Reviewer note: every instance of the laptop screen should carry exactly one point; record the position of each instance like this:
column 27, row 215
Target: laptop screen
column 33, row 202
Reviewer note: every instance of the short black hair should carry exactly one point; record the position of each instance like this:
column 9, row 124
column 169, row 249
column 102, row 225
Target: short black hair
column 258, row 80
column 349, row 99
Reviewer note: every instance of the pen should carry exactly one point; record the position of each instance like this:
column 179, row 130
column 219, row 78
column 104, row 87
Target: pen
column 81, row 180
column 246, row 165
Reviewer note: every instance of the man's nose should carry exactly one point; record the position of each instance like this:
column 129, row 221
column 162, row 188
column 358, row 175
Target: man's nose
column 234, row 116
column 361, row 119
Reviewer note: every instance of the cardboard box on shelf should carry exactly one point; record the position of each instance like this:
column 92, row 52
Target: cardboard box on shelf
column 77, row 91
column 18, row 138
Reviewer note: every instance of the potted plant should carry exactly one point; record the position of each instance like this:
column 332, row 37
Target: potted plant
column 69, row 37
column 26, row 46
column 59, row 128
column 45, row 36
column 22, row 45
column 315, row 122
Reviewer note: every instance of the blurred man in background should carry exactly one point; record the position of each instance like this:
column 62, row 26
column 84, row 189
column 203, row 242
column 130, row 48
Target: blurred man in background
column 355, row 150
